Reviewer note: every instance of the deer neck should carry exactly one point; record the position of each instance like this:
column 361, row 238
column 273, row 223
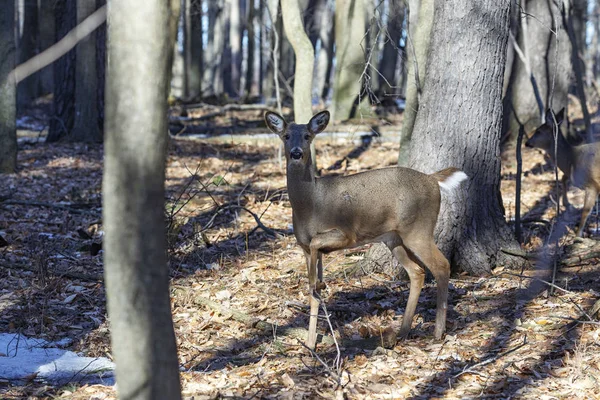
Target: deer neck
column 301, row 184
column 564, row 154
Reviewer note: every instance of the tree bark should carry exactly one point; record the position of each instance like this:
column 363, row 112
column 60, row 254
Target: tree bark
column 8, row 90
column 250, row 59
column 323, row 17
column 28, row 89
column 391, row 49
column 305, row 57
column 47, row 29
column 136, row 272
column 349, row 34
column 551, row 66
column 85, row 125
column 193, row 49
column 63, row 103
column 235, row 44
column 213, row 76
column 418, row 49
column 458, row 124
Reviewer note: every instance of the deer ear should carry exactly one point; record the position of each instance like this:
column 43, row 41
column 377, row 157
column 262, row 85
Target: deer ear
column 275, row 122
column 319, row 122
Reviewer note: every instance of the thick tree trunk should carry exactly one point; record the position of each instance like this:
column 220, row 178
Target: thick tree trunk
column 418, row 49
column 8, row 90
column 47, row 29
column 305, row 58
column 458, row 124
column 63, row 104
column 136, row 272
column 349, row 34
column 85, row 126
column 28, row 89
column 551, row 66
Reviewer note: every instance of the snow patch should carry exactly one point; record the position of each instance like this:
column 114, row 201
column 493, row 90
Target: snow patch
column 22, row 357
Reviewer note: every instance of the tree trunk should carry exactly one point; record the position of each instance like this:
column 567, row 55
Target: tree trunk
column 418, row 49
column 294, row 30
column 101, row 68
column 550, row 66
column 8, row 90
column 235, row 44
column 213, row 77
column 136, row 272
column 349, row 34
column 63, row 103
column 47, row 29
column 249, row 81
column 323, row 17
column 28, row 89
column 458, row 124
column 85, row 126
column 193, row 49
column 391, row 49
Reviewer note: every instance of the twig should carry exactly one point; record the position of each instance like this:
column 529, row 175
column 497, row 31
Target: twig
column 552, row 285
column 518, row 253
column 490, row 360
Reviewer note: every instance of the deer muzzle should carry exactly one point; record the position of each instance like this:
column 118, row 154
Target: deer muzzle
column 296, row 153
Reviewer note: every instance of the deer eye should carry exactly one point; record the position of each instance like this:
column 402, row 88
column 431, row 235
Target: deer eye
column 306, row 137
column 286, row 137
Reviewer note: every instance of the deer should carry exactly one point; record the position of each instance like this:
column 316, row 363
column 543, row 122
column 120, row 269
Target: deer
column 580, row 164
column 394, row 205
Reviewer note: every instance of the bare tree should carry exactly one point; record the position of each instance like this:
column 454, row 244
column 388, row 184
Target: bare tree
column 28, row 89
column 85, row 125
column 391, row 51
column 235, row 44
column 545, row 46
column 142, row 33
column 213, row 68
column 305, row 57
column 349, row 34
column 8, row 90
column 193, row 49
column 458, row 124
column 420, row 25
column 63, row 103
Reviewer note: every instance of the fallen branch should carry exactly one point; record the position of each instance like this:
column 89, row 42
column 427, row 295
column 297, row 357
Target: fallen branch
column 220, row 112
column 489, row 360
column 519, row 253
column 68, row 207
column 60, row 274
column 581, row 257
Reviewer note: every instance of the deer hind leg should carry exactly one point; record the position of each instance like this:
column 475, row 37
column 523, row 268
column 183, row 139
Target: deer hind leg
column 565, row 187
column 440, row 268
column 417, row 277
column 331, row 240
column 588, row 205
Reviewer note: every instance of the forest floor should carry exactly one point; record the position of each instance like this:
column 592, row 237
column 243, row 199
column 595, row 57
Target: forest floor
column 508, row 336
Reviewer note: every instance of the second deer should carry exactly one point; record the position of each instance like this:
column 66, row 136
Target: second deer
column 580, row 164
column 396, row 206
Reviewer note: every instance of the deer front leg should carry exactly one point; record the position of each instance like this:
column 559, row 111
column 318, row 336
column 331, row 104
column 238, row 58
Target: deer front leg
column 331, row 240
column 590, row 201
column 565, row 187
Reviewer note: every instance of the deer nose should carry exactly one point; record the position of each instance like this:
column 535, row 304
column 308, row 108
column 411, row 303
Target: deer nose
column 296, row 153
column 528, row 144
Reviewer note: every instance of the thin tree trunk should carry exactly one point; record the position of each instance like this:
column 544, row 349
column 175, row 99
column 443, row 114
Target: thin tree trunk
column 85, row 126
column 251, row 49
column 47, row 29
column 101, row 69
column 235, row 44
column 8, row 90
column 418, row 49
column 213, row 77
column 323, row 16
column 305, row 57
column 28, row 89
column 458, row 124
column 136, row 271
column 391, row 49
column 63, row 103
column 349, row 34
column 193, row 49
